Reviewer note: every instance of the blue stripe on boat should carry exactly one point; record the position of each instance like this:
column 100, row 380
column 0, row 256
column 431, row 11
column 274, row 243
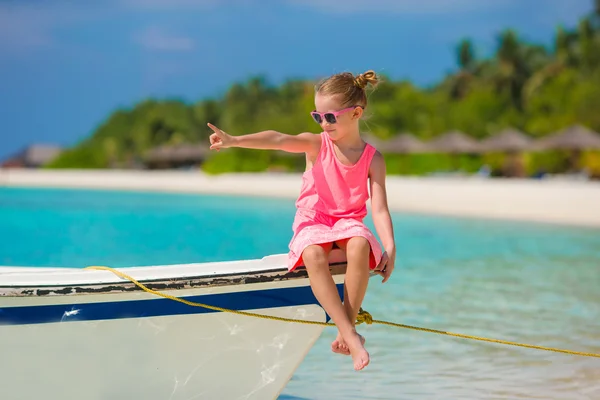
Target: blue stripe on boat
column 266, row 298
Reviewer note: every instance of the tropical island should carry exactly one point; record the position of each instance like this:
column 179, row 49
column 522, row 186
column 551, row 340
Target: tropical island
column 525, row 110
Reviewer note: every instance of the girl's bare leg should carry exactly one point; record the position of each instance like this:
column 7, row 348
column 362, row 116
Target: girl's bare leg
column 317, row 265
column 357, row 251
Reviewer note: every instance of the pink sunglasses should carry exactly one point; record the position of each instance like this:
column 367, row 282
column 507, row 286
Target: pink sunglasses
column 329, row 116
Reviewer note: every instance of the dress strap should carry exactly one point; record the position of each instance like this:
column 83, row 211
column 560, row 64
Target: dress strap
column 367, row 157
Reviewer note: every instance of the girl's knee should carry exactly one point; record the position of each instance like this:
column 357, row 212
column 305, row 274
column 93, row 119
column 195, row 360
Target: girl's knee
column 315, row 254
column 358, row 247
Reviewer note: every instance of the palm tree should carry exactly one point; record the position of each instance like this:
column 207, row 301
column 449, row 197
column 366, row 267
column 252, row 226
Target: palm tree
column 563, row 57
column 588, row 45
column 562, row 44
column 517, row 63
column 465, row 57
column 510, row 75
column 465, row 54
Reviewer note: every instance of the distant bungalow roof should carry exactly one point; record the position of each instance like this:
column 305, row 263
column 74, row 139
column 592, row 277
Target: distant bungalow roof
column 405, row 143
column 373, row 140
column 575, row 137
column 35, row 155
column 507, row 140
column 400, row 143
column 454, row 142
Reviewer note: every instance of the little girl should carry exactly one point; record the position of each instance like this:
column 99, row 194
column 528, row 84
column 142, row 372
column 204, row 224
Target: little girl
column 340, row 170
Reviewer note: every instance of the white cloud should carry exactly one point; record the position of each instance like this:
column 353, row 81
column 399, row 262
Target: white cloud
column 25, row 26
column 401, row 6
column 22, row 28
column 157, row 39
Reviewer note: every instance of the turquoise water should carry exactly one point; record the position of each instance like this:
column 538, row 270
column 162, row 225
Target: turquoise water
column 533, row 283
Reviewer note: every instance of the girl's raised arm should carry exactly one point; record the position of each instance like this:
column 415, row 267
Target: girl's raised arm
column 266, row 140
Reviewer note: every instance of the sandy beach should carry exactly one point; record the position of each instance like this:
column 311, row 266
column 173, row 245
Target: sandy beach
column 551, row 201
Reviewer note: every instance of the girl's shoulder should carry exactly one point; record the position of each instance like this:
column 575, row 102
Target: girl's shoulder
column 313, row 138
column 315, row 141
column 377, row 165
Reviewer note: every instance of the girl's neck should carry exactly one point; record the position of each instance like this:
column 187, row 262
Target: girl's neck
column 350, row 141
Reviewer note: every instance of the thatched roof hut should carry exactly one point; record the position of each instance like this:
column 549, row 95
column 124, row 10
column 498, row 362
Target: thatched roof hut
column 575, row 137
column 454, row 142
column 374, row 141
column 509, row 140
column 405, row 143
column 176, row 156
column 34, row 156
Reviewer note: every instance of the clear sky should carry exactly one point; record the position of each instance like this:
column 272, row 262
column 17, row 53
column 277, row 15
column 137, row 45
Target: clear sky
column 66, row 65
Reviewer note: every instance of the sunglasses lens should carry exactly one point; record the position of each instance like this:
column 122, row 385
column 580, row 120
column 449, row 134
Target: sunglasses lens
column 316, row 117
column 330, row 118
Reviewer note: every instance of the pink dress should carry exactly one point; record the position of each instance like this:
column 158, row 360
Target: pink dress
column 332, row 204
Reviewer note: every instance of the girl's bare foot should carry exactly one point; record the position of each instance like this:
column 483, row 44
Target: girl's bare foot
column 359, row 354
column 339, row 346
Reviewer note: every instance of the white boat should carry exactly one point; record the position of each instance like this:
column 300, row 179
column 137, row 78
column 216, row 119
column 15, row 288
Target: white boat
column 68, row 333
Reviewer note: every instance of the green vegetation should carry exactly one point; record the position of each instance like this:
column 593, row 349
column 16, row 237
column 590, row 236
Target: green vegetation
column 525, row 86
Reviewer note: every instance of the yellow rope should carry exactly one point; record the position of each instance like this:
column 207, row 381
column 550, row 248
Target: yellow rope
column 363, row 317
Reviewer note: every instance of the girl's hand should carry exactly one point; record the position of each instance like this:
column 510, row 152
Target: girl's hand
column 386, row 266
column 219, row 139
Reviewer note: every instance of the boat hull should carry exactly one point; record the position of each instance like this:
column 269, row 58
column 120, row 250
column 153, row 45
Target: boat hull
column 114, row 342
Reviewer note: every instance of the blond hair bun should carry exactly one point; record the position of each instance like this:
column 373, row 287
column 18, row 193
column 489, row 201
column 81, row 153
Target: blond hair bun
column 362, row 80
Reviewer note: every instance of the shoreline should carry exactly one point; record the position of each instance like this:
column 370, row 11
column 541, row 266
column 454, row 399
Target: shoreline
column 564, row 202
